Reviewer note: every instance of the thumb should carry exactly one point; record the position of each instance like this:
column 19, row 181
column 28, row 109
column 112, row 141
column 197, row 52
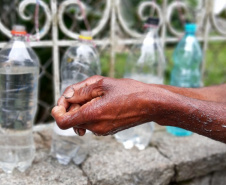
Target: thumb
column 84, row 94
column 72, row 91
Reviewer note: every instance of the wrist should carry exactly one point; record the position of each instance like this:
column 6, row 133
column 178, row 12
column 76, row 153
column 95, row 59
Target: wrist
column 164, row 105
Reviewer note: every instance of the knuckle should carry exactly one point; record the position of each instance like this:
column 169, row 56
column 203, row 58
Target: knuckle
column 61, row 101
column 67, row 89
column 99, row 112
column 96, row 76
column 88, row 115
column 79, row 91
column 104, row 84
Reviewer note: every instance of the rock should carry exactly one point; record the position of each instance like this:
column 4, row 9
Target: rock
column 110, row 164
column 216, row 178
column 47, row 172
column 193, row 156
column 219, row 178
column 193, row 160
column 206, row 180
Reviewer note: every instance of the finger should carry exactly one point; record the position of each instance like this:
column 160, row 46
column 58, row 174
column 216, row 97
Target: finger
column 79, row 131
column 66, row 120
column 97, row 128
column 69, row 92
column 63, row 102
column 87, row 93
column 57, row 112
column 73, row 107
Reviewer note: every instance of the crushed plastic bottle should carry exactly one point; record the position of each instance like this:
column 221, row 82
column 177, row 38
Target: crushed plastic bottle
column 186, row 72
column 145, row 63
column 19, row 71
column 79, row 62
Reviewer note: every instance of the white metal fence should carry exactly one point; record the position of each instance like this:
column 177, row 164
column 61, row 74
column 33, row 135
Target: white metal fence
column 113, row 18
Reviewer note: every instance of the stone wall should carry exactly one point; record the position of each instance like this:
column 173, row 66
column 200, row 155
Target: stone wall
column 194, row 160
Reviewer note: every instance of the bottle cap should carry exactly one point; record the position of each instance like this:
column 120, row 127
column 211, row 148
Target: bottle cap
column 85, row 35
column 18, row 30
column 190, row 27
column 152, row 21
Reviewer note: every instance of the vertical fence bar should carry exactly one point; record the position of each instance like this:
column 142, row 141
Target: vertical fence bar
column 209, row 9
column 113, row 37
column 164, row 24
column 55, row 50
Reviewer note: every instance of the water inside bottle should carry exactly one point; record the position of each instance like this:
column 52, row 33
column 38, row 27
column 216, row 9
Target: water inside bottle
column 67, row 146
column 18, row 99
column 17, row 149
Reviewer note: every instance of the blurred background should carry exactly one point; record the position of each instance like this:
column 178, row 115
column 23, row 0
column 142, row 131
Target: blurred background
column 117, row 25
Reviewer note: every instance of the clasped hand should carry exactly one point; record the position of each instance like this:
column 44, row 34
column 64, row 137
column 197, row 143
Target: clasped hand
column 104, row 105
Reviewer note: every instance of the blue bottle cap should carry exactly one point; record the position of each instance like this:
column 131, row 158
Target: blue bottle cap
column 190, row 27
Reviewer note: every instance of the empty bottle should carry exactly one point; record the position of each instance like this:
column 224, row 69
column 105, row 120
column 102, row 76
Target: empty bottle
column 186, row 72
column 79, row 62
column 19, row 71
column 145, row 63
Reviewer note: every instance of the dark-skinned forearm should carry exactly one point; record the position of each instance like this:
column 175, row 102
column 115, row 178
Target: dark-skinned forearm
column 203, row 117
column 213, row 93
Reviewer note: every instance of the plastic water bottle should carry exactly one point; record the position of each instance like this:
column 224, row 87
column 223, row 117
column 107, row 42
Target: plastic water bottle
column 79, row 62
column 186, row 72
column 19, row 70
column 145, row 63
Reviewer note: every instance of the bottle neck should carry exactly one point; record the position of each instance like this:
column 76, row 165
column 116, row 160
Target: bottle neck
column 150, row 28
column 152, row 32
column 190, row 33
column 18, row 38
column 85, row 40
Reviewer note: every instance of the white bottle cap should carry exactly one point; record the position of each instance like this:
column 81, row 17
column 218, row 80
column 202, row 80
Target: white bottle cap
column 19, row 28
column 86, row 35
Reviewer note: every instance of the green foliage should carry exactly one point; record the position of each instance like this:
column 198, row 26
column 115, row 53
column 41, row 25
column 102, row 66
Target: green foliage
column 215, row 71
column 192, row 3
column 119, row 65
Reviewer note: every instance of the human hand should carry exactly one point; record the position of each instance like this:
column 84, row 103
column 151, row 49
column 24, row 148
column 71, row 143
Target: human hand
column 105, row 105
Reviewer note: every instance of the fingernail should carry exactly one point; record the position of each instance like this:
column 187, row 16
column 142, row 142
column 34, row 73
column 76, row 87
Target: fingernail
column 77, row 132
column 69, row 93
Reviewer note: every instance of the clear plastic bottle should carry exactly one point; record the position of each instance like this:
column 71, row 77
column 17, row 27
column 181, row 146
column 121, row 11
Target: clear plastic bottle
column 79, row 62
column 19, row 71
column 145, row 63
column 186, row 72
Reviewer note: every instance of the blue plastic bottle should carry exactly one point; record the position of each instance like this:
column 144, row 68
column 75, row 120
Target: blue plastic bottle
column 187, row 59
